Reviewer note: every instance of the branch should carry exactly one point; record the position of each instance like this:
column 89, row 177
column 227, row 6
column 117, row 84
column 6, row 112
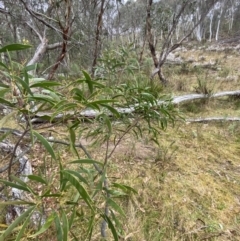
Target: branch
column 166, row 49
column 4, row 11
column 35, row 31
column 36, row 15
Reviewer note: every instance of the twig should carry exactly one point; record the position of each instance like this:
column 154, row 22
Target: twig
column 14, row 151
column 3, row 169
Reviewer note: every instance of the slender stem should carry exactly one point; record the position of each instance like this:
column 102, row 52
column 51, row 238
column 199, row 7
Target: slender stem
column 15, row 149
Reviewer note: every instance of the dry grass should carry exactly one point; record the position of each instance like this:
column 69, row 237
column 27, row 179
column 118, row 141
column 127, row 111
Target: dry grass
column 189, row 186
column 191, row 195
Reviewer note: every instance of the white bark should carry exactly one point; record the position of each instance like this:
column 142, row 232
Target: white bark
column 213, row 119
column 41, row 50
column 219, row 20
column 210, row 25
column 89, row 113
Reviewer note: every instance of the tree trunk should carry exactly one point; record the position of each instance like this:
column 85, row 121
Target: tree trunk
column 98, row 36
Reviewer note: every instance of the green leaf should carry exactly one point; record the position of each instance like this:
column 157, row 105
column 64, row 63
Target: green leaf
column 3, row 65
column 64, row 107
column 6, row 118
column 31, row 67
column 20, row 234
column 18, row 180
column 5, row 102
column 24, row 84
column 100, row 102
column 88, row 80
column 4, row 135
column 6, row 203
column 14, row 47
column 77, row 174
column 72, row 218
column 86, row 161
column 115, row 206
column 3, row 91
column 17, row 222
column 52, row 195
column 11, row 184
column 112, row 110
column 43, row 98
column 46, row 225
column 44, row 84
column 79, row 188
column 37, row 179
column 46, row 144
column 72, row 139
column 26, row 77
column 4, row 85
column 90, row 227
column 65, row 226
column 125, row 188
column 109, row 124
column 111, row 226
column 59, row 231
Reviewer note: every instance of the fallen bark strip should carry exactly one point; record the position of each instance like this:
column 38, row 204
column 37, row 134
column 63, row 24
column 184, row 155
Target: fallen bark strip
column 184, row 98
column 89, row 113
column 213, row 119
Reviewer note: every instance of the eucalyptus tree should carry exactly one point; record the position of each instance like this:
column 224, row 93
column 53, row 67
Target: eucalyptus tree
column 169, row 43
column 72, row 30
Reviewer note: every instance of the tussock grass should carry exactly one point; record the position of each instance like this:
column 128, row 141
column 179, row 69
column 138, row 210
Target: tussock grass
column 193, row 195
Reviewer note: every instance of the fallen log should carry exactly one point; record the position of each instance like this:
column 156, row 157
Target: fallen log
column 212, row 119
column 89, row 113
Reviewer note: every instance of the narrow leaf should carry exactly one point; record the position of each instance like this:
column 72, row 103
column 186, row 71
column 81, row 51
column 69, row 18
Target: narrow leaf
column 31, row 67
column 86, row 161
column 17, row 186
column 65, row 226
column 125, row 188
column 116, row 207
column 18, row 180
column 111, row 109
column 6, row 203
column 79, row 187
column 77, row 174
column 59, row 231
column 6, row 118
column 20, row 234
column 88, row 80
column 3, row 65
column 111, row 226
column 44, row 84
column 90, row 227
column 45, row 143
column 37, row 179
column 5, row 102
column 72, row 218
column 46, row 225
column 17, row 222
column 14, row 47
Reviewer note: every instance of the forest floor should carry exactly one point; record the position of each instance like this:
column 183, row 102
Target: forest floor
column 189, row 186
